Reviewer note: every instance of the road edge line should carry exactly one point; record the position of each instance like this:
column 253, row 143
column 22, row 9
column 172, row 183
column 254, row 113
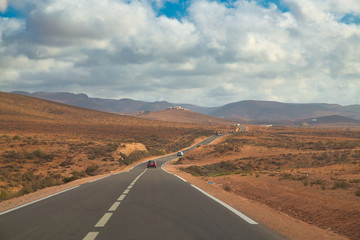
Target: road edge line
column 236, row 212
column 27, row 204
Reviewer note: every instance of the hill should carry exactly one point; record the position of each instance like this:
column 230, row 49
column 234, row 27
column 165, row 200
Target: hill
column 333, row 120
column 248, row 110
column 183, row 116
column 25, row 114
column 269, row 110
column 43, row 143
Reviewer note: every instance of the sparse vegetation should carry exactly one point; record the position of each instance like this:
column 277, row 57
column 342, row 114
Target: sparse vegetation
column 340, row 184
column 134, row 156
column 310, row 164
column 91, row 171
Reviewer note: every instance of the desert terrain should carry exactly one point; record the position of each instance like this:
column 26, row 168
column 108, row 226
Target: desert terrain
column 44, row 144
column 182, row 115
column 294, row 180
column 312, row 175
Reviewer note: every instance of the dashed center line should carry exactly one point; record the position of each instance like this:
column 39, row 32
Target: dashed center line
column 102, row 222
column 91, row 236
column 121, row 197
column 114, row 206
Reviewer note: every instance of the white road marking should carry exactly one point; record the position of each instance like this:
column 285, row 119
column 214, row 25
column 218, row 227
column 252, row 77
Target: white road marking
column 91, row 236
column 241, row 215
column 121, row 197
column 104, row 220
column 27, row 204
column 180, row 178
column 114, row 206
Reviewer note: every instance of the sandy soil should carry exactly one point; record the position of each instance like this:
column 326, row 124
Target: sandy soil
column 276, row 219
column 42, row 193
column 288, row 188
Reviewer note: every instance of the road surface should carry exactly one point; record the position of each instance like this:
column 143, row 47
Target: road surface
column 139, row 204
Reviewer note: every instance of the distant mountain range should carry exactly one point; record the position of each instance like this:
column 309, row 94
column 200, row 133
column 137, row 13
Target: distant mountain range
column 244, row 111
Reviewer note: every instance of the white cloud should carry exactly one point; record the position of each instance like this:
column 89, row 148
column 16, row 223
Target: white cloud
column 215, row 55
column 3, row 5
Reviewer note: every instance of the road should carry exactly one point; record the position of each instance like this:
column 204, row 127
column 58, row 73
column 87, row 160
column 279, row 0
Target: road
column 139, row 204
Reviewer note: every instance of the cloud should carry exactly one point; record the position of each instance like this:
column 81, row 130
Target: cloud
column 3, row 5
column 213, row 55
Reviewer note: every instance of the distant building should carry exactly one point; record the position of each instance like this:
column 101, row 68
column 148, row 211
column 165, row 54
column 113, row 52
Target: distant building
column 176, row 108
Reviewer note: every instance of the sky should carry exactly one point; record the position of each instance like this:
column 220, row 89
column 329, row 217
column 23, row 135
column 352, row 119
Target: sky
column 204, row 52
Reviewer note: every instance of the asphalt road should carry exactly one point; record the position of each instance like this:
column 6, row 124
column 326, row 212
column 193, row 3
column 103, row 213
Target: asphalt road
column 139, row 204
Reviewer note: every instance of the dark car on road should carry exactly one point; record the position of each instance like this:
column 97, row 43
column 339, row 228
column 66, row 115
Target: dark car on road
column 151, row 163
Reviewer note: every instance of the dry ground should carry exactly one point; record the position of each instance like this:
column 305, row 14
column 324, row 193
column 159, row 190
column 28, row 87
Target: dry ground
column 43, row 143
column 312, row 175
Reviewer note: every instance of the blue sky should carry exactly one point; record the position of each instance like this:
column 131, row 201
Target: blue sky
column 10, row 13
column 178, row 9
column 188, row 51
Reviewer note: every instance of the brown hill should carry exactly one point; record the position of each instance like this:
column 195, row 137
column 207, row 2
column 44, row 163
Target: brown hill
column 248, row 110
column 27, row 114
column 43, row 143
column 183, row 116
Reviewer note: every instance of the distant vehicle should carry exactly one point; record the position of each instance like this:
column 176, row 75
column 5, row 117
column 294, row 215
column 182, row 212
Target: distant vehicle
column 180, row 154
column 217, row 134
column 151, row 163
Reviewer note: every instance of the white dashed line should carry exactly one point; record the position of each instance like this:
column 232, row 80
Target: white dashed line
column 91, row 236
column 114, row 206
column 121, row 197
column 104, row 220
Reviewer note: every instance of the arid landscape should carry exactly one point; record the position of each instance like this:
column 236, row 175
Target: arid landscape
column 43, row 144
column 312, row 175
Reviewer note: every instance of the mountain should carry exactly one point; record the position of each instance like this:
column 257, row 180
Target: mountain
column 333, row 119
column 272, row 111
column 248, row 110
column 106, row 105
column 183, row 116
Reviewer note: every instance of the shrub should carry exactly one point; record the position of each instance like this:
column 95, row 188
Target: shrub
column 91, row 170
column 194, row 170
column 340, row 184
column 357, row 193
column 66, row 163
column 306, row 182
column 38, row 154
column 16, row 137
column 4, row 195
column 104, row 152
column 318, row 182
column 135, row 156
column 227, row 187
column 11, row 156
column 70, row 179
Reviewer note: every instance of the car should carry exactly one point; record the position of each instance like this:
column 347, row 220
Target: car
column 180, row 154
column 151, row 163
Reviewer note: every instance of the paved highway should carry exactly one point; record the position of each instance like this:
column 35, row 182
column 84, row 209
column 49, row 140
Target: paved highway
column 139, row 204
